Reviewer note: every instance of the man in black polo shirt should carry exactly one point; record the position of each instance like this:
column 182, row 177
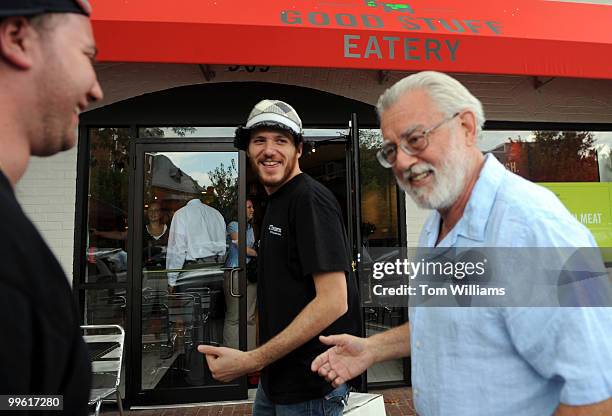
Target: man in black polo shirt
column 46, row 79
column 305, row 283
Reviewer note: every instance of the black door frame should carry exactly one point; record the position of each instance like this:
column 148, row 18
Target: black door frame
column 136, row 396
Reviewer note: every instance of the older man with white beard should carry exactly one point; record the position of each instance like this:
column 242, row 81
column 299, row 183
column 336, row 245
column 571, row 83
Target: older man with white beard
column 479, row 361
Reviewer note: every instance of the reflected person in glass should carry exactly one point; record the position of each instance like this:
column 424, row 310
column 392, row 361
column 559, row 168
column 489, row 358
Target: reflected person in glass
column 155, row 236
column 196, row 240
column 230, row 325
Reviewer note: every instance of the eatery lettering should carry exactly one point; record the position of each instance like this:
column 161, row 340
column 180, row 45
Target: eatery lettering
column 408, row 49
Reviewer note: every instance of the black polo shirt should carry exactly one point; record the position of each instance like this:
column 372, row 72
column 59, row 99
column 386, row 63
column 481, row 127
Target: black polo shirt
column 302, row 234
column 42, row 351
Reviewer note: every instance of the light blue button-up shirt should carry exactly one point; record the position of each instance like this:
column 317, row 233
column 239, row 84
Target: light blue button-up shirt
column 232, row 253
column 509, row 361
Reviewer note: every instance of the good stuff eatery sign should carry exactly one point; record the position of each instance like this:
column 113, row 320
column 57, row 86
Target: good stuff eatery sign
column 518, row 37
column 398, row 18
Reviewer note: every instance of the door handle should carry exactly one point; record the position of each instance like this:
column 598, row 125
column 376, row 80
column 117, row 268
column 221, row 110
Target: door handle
column 231, row 283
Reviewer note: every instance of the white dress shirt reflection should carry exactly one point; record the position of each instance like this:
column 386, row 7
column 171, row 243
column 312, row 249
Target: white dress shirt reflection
column 197, row 232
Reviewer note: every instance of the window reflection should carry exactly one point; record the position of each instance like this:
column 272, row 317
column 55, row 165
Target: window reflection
column 575, row 165
column 105, row 307
column 550, row 156
column 182, row 132
column 189, row 197
column 379, row 228
column 107, row 205
column 378, row 195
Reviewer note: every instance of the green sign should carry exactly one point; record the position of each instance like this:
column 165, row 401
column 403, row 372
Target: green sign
column 590, row 203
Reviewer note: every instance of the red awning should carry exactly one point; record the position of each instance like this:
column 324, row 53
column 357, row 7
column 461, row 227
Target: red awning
column 524, row 37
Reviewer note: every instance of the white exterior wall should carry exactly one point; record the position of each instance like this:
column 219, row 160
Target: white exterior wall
column 47, row 193
column 505, row 97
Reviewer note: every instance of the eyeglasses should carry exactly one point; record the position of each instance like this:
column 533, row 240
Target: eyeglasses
column 412, row 143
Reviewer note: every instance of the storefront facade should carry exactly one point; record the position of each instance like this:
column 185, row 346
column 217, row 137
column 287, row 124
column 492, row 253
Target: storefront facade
column 163, row 136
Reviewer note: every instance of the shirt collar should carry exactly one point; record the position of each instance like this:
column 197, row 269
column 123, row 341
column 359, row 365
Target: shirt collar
column 473, row 223
column 5, row 184
column 288, row 186
column 194, row 201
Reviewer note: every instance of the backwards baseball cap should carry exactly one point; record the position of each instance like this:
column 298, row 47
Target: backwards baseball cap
column 35, row 7
column 275, row 114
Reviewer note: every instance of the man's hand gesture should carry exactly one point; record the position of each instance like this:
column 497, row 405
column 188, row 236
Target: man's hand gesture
column 349, row 357
column 227, row 364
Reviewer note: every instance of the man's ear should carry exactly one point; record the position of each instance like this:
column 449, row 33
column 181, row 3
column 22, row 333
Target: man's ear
column 468, row 126
column 17, row 36
column 248, row 144
column 300, row 147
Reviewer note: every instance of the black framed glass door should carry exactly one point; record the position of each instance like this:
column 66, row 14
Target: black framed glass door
column 185, row 195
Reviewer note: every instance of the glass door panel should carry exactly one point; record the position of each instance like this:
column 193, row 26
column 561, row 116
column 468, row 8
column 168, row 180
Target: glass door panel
column 187, row 197
column 379, row 229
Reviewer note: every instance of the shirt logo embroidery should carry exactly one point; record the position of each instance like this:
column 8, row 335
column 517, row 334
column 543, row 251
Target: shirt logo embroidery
column 275, row 230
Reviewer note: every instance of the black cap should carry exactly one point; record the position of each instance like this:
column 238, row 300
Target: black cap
column 34, row 7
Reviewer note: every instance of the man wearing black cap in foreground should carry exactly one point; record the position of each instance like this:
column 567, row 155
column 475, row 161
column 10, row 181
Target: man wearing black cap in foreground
column 46, row 79
column 305, row 283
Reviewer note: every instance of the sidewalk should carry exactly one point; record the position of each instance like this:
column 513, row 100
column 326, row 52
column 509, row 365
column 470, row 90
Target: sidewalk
column 398, row 402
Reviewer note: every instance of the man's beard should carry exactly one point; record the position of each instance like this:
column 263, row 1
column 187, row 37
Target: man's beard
column 448, row 180
column 289, row 166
